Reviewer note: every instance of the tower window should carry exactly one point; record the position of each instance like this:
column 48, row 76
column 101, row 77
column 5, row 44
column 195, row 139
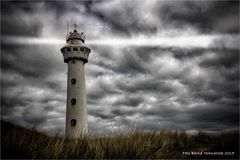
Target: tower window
column 73, row 122
column 75, row 49
column 68, row 49
column 73, row 101
column 82, row 49
column 73, row 81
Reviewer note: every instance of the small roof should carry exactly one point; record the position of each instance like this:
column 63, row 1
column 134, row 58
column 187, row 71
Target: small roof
column 76, row 35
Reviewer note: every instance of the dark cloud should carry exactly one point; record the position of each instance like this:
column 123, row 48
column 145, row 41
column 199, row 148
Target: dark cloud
column 128, row 22
column 128, row 101
column 59, row 8
column 117, row 27
column 216, row 114
column 225, row 58
column 207, row 16
column 35, row 120
column 147, row 85
column 122, row 113
column 101, row 114
column 13, row 6
column 17, row 25
column 132, row 64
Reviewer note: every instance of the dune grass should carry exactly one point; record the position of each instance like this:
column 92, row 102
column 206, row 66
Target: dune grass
column 18, row 142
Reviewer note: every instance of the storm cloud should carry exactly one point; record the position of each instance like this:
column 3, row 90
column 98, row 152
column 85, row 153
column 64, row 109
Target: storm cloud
column 193, row 87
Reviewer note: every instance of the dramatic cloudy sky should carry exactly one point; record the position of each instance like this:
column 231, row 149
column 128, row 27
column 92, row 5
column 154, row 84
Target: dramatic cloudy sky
column 154, row 64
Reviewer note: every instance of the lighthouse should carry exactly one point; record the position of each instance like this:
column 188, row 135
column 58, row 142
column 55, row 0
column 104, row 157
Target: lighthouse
column 75, row 54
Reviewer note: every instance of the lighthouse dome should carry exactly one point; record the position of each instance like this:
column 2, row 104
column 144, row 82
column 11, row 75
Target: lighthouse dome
column 75, row 37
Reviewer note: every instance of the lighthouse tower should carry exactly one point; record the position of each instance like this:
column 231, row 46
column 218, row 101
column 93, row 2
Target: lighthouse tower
column 75, row 54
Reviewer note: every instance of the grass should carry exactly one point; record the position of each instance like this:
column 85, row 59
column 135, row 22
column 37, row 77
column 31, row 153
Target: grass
column 22, row 143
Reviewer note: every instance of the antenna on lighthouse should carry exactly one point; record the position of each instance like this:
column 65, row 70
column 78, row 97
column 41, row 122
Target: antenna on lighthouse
column 67, row 27
column 67, row 30
column 75, row 26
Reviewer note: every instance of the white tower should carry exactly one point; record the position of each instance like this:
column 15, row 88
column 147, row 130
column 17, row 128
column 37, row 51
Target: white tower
column 76, row 54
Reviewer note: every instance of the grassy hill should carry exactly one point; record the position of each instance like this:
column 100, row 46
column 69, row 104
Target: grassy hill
column 18, row 142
